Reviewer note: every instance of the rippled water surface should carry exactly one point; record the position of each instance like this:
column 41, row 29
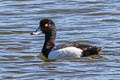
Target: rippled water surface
column 96, row 22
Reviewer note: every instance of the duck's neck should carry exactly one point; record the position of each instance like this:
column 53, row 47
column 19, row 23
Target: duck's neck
column 48, row 44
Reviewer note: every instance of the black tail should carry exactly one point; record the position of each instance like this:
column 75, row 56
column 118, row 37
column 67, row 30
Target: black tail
column 92, row 50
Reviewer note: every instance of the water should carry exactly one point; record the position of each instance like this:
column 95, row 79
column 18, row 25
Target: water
column 96, row 22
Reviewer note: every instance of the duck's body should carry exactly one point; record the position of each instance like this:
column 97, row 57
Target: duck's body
column 68, row 50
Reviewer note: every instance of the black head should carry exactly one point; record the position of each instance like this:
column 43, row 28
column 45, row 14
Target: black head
column 47, row 26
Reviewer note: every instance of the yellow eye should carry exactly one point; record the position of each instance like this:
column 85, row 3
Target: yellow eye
column 46, row 25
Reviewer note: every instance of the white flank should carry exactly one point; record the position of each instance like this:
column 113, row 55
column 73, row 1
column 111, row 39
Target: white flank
column 67, row 52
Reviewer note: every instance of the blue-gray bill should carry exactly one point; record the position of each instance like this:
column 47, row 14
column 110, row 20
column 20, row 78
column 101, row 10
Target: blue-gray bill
column 37, row 32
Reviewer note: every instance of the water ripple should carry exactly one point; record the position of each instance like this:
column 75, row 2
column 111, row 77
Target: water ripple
column 95, row 22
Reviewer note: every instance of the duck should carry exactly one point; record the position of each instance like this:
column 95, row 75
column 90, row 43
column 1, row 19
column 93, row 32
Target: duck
column 50, row 52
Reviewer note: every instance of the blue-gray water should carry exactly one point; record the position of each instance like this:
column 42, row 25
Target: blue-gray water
column 96, row 22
